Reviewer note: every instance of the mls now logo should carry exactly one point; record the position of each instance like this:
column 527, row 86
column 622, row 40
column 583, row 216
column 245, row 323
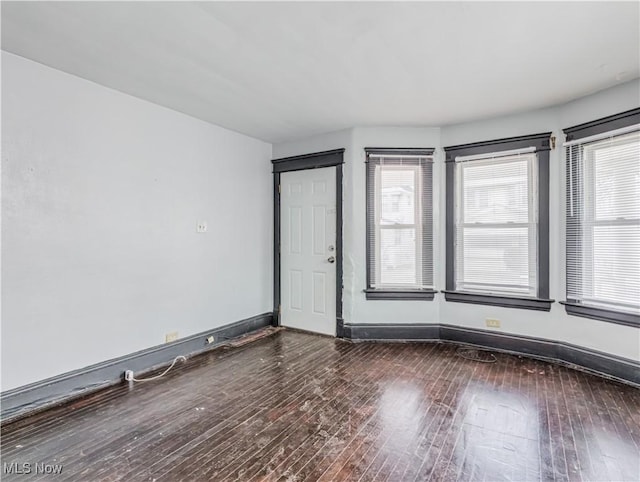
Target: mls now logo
column 29, row 468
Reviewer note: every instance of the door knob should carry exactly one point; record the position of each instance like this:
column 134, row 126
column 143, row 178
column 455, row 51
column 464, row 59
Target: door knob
column 331, row 259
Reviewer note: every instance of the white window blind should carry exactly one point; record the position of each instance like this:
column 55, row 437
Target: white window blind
column 603, row 220
column 496, row 223
column 400, row 220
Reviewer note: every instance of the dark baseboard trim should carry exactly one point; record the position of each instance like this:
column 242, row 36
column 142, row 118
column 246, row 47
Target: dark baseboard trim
column 401, row 332
column 563, row 353
column 28, row 399
column 340, row 327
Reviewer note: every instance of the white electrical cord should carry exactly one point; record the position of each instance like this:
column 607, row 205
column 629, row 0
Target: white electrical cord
column 179, row 357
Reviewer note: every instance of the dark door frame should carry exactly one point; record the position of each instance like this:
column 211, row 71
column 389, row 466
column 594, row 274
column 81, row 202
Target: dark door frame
column 333, row 158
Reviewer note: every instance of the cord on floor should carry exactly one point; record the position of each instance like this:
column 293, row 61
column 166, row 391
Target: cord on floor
column 472, row 354
column 179, row 357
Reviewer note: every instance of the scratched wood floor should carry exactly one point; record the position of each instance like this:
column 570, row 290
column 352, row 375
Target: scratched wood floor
column 296, row 407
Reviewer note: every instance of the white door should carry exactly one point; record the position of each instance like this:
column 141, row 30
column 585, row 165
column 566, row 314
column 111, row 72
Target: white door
column 308, row 250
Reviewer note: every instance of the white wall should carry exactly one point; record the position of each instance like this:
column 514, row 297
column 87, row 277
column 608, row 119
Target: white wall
column 101, row 192
column 358, row 308
column 555, row 325
column 100, row 197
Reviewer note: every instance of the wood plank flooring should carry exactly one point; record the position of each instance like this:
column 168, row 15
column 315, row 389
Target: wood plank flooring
column 299, row 407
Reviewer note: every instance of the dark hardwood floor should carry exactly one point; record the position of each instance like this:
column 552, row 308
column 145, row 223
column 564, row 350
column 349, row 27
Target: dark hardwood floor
column 296, row 407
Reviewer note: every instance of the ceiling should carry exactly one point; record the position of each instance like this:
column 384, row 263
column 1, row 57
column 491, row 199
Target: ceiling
column 282, row 71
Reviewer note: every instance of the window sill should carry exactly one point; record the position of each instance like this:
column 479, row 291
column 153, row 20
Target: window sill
column 602, row 314
column 404, row 295
column 498, row 300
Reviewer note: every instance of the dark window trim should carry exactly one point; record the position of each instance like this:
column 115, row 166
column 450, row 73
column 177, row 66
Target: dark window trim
column 526, row 303
column 573, row 239
column 605, row 124
column 333, row 158
column 602, row 314
column 541, row 142
column 309, row 161
column 405, row 295
column 542, row 145
column 372, row 293
column 399, row 151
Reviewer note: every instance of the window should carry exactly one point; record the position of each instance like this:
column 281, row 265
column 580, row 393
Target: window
column 603, row 219
column 399, row 224
column 497, row 222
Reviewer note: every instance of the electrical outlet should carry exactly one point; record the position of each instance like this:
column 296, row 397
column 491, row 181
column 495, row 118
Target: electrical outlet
column 201, row 227
column 491, row 323
column 128, row 375
column 210, row 340
column 169, row 337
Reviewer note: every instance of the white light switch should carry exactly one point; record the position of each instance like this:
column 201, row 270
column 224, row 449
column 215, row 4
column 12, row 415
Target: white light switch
column 201, row 227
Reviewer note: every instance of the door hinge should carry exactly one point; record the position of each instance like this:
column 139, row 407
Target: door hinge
column 279, row 309
column 279, row 188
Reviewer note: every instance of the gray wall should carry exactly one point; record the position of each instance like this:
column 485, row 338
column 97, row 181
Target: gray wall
column 101, row 193
column 555, row 325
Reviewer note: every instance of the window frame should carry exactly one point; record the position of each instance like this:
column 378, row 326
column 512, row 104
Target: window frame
column 531, row 225
column 573, row 241
column 373, row 228
column 541, row 147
